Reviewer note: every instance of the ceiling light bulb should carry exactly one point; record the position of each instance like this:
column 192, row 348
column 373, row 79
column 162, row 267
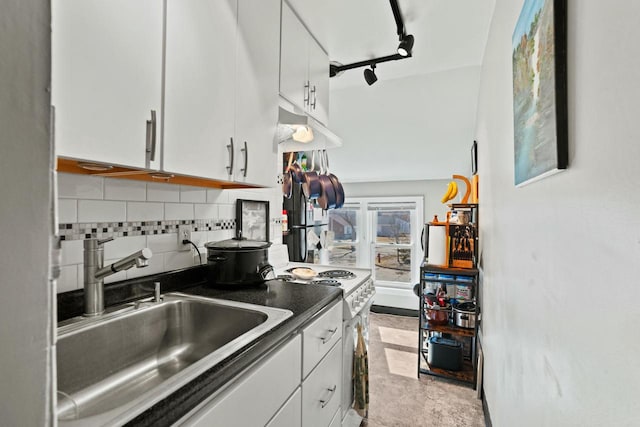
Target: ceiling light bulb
column 302, row 134
column 405, row 46
column 370, row 75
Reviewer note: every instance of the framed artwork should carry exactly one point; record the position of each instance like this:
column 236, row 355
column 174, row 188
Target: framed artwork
column 540, row 91
column 474, row 158
column 252, row 220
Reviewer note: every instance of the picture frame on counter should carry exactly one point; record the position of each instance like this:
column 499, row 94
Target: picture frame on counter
column 252, row 220
column 539, row 59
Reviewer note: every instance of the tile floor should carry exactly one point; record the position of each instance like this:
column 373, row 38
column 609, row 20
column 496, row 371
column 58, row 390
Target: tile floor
column 397, row 397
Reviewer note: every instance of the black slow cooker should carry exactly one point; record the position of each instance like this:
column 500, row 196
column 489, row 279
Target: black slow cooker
column 238, row 262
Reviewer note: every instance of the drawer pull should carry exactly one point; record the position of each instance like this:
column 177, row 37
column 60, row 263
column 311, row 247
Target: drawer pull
column 331, row 334
column 325, row 402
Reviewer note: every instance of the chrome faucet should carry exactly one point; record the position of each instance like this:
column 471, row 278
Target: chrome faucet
column 95, row 272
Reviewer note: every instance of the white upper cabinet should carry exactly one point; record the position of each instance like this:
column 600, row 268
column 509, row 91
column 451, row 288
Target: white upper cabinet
column 107, row 79
column 314, row 14
column 199, row 88
column 304, row 68
column 258, row 66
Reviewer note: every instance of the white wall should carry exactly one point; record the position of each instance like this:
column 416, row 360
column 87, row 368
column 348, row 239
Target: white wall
column 431, row 190
column 414, row 128
column 561, row 257
column 25, row 214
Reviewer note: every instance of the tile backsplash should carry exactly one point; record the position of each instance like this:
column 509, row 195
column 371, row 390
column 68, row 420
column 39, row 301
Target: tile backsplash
column 140, row 214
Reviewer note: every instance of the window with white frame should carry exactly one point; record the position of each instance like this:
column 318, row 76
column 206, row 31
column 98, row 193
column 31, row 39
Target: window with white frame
column 380, row 233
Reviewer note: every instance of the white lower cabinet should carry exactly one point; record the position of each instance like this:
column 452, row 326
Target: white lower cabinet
column 255, row 397
column 290, row 415
column 336, row 421
column 320, row 336
column 322, row 390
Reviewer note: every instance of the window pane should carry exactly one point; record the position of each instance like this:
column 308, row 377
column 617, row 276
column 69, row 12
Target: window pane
column 343, row 255
column 393, row 264
column 393, row 227
column 343, row 223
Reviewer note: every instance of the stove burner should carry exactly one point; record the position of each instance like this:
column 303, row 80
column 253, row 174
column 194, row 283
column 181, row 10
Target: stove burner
column 336, row 274
column 285, row 277
column 329, row 282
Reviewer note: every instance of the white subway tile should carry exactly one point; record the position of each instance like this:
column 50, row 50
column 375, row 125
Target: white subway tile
column 156, row 265
column 177, row 260
column 217, row 196
column 101, row 211
column 206, row 211
column 226, row 211
column 76, row 186
column 163, row 192
column 67, row 210
column 72, row 252
column 178, row 211
column 199, row 238
column 159, row 243
column 68, row 280
column 218, row 235
column 123, row 189
column 193, row 194
column 124, row 246
column 144, row 211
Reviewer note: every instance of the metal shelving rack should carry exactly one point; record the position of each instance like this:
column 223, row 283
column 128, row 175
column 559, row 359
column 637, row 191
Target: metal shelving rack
column 468, row 373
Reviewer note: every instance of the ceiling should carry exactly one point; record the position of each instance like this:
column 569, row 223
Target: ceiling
column 418, row 121
column 448, row 34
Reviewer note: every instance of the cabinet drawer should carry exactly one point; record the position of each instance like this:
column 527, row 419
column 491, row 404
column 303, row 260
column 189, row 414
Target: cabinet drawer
column 290, row 415
column 322, row 390
column 336, row 422
column 253, row 399
column 320, row 336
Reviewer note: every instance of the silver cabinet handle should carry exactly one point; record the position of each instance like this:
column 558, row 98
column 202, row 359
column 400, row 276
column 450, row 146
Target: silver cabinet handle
column 245, row 150
column 332, row 332
column 230, row 148
column 332, row 391
column 151, row 136
column 315, row 97
column 306, row 93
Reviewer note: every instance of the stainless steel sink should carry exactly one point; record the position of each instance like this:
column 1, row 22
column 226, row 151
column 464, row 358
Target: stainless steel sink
column 111, row 368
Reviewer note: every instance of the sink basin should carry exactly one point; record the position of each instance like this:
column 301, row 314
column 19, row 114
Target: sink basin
column 125, row 361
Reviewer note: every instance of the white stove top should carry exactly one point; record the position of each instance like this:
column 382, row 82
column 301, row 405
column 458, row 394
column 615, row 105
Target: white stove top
column 348, row 285
column 358, row 291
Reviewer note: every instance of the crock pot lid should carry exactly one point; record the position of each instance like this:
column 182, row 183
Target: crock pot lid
column 466, row 306
column 237, row 244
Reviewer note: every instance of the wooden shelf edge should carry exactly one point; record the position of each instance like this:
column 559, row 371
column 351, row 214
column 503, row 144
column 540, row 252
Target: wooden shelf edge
column 449, row 329
column 449, row 270
column 68, row 165
column 466, row 374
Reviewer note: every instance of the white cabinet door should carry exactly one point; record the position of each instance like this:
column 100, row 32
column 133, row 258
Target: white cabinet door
column 200, row 87
column 319, row 78
column 314, row 14
column 294, row 59
column 257, row 396
column 321, row 391
column 290, row 415
column 106, row 78
column 257, row 65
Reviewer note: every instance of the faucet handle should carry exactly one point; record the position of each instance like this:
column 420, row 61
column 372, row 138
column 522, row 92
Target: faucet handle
column 103, row 241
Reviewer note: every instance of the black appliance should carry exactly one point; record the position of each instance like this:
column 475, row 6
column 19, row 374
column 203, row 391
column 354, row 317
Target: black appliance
column 300, row 221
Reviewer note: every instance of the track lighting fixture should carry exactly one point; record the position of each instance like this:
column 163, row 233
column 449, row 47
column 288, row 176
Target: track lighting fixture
column 403, row 52
column 370, row 75
column 406, row 44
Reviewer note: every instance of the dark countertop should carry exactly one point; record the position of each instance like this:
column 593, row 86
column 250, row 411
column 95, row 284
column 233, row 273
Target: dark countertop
column 305, row 301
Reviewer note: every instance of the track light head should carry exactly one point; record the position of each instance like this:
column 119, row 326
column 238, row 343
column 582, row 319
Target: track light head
column 406, row 44
column 370, row 75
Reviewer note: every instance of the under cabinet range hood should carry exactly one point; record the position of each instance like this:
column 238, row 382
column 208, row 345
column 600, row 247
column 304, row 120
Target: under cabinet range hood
column 298, row 131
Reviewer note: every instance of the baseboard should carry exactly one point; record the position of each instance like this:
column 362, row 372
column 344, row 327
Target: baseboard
column 485, row 408
column 394, row 310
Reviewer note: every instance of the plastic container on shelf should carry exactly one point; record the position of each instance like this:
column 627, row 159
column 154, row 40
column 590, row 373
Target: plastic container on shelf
column 463, row 292
column 461, row 278
column 446, row 277
column 430, row 276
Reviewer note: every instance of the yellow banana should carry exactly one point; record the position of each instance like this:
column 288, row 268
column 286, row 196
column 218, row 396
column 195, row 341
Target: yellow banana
column 453, row 193
column 445, row 198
